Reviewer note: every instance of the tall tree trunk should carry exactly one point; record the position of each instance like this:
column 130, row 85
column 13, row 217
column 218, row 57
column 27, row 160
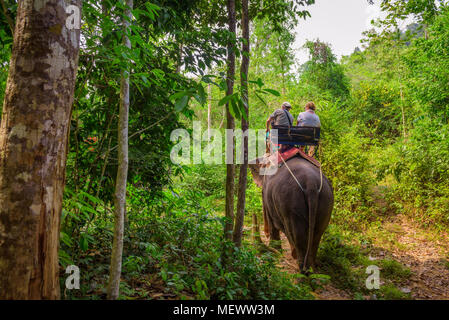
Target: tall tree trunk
column 243, row 178
column 256, row 230
column 122, row 171
column 179, row 63
column 282, row 69
column 404, row 133
column 209, row 110
column 222, row 118
column 230, row 168
column 33, row 148
column 283, row 77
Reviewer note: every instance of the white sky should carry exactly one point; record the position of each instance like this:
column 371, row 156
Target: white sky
column 338, row 22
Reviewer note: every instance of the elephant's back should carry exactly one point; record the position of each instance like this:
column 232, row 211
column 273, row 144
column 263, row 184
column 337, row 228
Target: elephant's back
column 299, row 171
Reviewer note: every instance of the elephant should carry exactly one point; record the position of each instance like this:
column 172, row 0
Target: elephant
column 301, row 211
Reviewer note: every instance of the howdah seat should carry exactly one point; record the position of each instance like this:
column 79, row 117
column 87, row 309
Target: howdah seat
column 296, row 136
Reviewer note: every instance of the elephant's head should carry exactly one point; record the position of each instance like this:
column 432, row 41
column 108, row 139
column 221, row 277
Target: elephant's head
column 260, row 168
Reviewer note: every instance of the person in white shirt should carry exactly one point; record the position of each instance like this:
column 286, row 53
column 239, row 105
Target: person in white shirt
column 309, row 118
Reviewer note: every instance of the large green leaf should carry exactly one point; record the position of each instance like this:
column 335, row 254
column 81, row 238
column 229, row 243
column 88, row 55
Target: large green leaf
column 273, row 92
column 84, row 243
column 242, row 108
column 201, row 94
column 178, row 95
column 225, row 100
column 182, row 103
column 234, row 110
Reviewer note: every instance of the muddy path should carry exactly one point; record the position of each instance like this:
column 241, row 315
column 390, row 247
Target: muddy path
column 402, row 240
column 424, row 252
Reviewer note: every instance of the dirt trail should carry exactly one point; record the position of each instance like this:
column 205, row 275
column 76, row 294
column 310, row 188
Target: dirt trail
column 402, row 240
column 426, row 255
column 290, row 265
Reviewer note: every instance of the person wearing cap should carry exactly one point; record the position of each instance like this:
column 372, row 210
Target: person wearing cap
column 281, row 117
column 309, row 118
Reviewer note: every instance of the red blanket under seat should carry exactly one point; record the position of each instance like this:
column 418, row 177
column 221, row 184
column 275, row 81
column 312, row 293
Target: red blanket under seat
column 287, row 155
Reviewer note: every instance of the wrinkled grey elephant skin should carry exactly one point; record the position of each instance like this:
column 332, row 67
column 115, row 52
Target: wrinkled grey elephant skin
column 294, row 212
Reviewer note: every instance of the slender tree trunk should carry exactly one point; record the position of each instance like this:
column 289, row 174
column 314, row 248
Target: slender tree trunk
column 33, row 148
column 230, row 168
column 243, row 178
column 256, row 230
column 209, row 110
column 122, row 171
column 404, row 133
column 103, row 169
column 282, row 70
column 179, row 64
column 222, row 118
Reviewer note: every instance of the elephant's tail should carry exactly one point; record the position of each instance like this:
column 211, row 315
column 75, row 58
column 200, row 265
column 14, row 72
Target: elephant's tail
column 312, row 203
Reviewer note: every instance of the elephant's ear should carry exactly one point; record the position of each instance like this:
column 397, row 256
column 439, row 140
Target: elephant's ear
column 255, row 171
column 258, row 181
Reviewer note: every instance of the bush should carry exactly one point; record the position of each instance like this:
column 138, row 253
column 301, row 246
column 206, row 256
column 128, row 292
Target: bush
column 420, row 166
column 186, row 250
column 394, row 269
column 346, row 164
column 176, row 242
column 378, row 106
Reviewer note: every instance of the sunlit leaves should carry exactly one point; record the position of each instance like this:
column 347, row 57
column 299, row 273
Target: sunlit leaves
column 182, row 98
column 236, row 103
column 181, row 103
column 279, row 11
column 273, row 92
column 152, row 9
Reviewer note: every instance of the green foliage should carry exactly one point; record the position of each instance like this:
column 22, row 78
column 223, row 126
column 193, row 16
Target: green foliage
column 345, row 261
column 207, row 179
column 422, row 10
column 173, row 243
column 5, row 51
column 421, row 168
column 428, row 66
column 323, row 72
column 342, row 261
column 181, row 242
column 279, row 12
column 395, row 270
column 254, row 198
column 348, row 168
column 385, row 143
column 378, row 106
column 390, row 292
column 190, row 248
column 164, row 38
column 410, row 82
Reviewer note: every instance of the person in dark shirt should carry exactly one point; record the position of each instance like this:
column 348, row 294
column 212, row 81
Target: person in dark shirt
column 281, row 117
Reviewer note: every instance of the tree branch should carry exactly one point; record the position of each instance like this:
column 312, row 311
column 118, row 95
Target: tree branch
column 8, row 18
column 140, row 131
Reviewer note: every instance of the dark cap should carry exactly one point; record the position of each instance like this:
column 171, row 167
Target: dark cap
column 287, row 105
